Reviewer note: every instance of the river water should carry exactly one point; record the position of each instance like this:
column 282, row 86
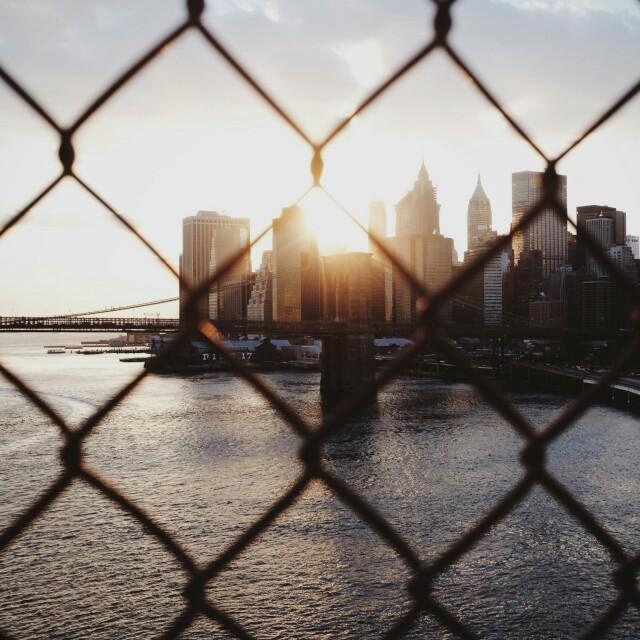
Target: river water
column 206, row 456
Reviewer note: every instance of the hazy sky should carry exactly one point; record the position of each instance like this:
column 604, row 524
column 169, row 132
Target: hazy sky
column 188, row 134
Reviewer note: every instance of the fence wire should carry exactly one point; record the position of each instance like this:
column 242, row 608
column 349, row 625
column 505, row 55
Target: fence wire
column 429, row 328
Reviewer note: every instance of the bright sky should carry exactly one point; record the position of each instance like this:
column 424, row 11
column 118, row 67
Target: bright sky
column 188, row 134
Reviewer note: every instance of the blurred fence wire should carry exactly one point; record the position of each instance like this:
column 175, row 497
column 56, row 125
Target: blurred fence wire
column 430, row 327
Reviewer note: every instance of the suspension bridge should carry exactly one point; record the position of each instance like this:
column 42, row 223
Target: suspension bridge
column 100, row 320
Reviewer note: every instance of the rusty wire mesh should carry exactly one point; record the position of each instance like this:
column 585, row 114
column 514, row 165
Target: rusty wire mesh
column 429, row 328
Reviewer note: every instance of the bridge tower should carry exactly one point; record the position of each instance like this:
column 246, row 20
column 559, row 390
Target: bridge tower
column 348, row 362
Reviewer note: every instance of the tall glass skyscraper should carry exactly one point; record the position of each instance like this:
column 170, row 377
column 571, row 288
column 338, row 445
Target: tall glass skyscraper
column 547, row 232
column 296, row 268
column 209, row 239
column 478, row 218
column 419, row 212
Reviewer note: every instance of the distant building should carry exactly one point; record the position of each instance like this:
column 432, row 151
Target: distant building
column 378, row 226
column 209, row 240
column 352, row 289
column 419, row 212
column 522, row 285
column 409, row 251
column 547, row 232
column 618, row 220
column 438, row 263
column 601, row 230
column 634, row 243
column 493, row 275
column 546, row 313
column 260, row 306
column 478, row 217
column 468, row 304
column 296, row 269
column 481, row 299
column 599, row 309
column 622, row 256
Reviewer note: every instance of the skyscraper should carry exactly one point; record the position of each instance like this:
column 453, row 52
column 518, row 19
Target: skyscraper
column 478, row 217
column 352, row 289
column 618, row 218
column 547, row 232
column 419, row 212
column 633, row 242
column 296, row 268
column 209, row 239
column 493, row 273
column 601, row 230
column 260, row 306
column 378, row 226
column 408, row 250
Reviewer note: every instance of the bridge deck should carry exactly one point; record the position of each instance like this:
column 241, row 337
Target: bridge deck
column 291, row 329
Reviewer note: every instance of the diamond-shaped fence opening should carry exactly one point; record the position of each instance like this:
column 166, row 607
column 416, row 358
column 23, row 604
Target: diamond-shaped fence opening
column 430, row 329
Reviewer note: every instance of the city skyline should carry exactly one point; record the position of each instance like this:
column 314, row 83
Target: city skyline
column 219, row 154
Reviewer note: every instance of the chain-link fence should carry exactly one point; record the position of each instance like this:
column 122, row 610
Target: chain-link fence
column 430, row 328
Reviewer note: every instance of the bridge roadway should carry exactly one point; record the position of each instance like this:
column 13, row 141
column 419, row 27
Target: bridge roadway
column 292, row 329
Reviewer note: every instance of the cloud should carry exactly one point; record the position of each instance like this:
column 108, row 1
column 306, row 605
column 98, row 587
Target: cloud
column 365, row 60
column 580, row 7
column 268, row 8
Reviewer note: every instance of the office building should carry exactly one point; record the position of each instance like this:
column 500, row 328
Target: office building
column 633, row 242
column 622, row 257
column 438, row 262
column 522, row 284
column 296, row 269
column 599, row 310
column 547, row 232
column 409, row 251
column 419, row 212
column 378, row 226
column 493, row 274
column 352, row 289
column 209, row 240
column 601, row 231
column 618, row 220
column 260, row 305
column 550, row 314
column 478, row 217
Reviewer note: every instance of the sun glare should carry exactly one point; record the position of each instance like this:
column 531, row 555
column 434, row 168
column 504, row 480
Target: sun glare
column 332, row 227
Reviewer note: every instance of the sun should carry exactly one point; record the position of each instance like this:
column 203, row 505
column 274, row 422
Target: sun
column 334, row 230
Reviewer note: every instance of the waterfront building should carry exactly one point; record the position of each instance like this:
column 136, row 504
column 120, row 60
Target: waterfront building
column 260, row 305
column 209, row 240
column 296, row 268
column 633, row 242
column 547, row 232
column 418, row 212
column 478, row 217
column 352, row 288
column 601, row 230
